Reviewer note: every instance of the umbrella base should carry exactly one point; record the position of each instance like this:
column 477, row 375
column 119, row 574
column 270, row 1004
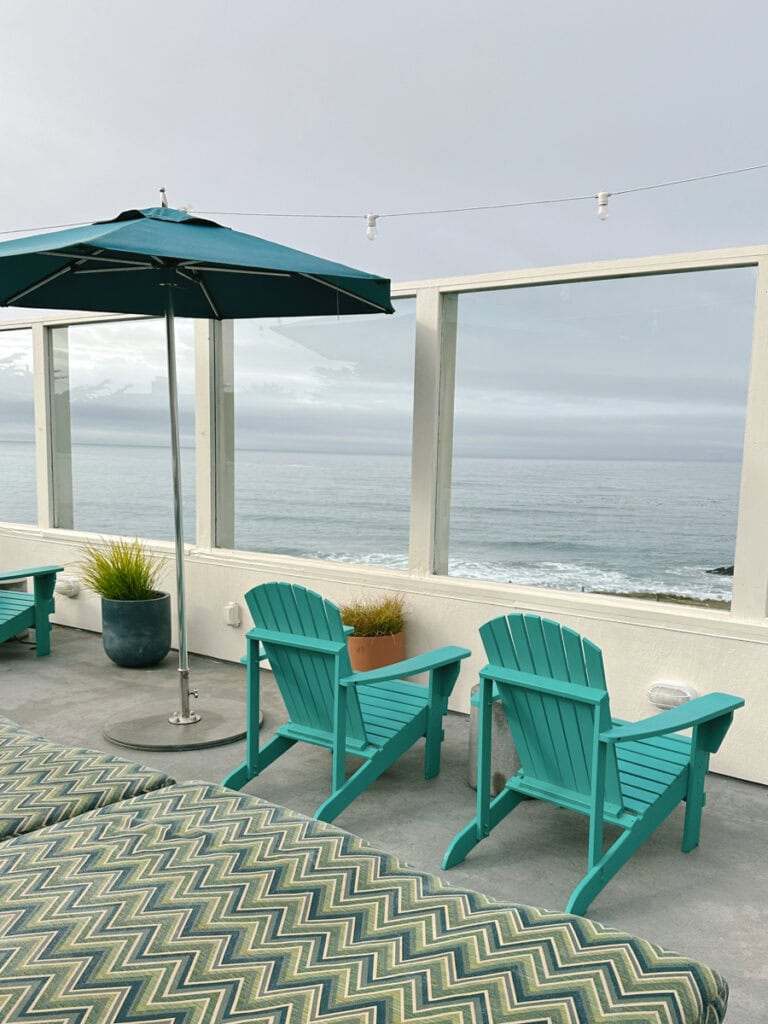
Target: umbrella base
column 154, row 732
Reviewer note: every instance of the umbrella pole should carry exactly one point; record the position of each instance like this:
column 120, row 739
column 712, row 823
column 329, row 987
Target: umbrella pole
column 183, row 716
column 225, row 724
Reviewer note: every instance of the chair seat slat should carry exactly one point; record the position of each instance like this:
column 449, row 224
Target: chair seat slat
column 20, row 610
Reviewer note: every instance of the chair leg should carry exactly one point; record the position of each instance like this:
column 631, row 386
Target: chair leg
column 694, row 799
column 356, row 784
column 44, row 587
column 617, row 855
column 237, row 778
column 466, row 840
column 595, row 880
column 434, row 739
column 441, row 683
column 345, row 791
column 42, row 638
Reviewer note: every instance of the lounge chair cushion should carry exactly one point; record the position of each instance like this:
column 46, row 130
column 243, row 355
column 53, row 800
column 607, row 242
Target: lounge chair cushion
column 194, row 903
column 42, row 782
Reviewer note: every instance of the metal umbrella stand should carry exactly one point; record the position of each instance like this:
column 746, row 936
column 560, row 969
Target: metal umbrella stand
column 165, row 262
column 183, row 716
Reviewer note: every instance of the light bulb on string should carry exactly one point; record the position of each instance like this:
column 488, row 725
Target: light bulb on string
column 602, row 204
column 370, row 226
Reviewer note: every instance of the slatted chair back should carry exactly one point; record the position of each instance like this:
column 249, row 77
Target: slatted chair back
column 306, row 677
column 556, row 708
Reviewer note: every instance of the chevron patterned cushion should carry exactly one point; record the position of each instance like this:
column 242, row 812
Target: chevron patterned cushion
column 197, row 905
column 43, row 782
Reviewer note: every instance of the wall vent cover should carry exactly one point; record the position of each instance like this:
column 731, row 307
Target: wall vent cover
column 669, row 695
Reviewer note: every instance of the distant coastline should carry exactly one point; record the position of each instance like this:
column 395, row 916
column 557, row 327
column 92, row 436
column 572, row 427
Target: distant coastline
column 646, row 595
column 721, row 604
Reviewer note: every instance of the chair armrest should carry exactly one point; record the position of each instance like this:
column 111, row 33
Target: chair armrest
column 20, row 574
column 685, row 716
column 304, row 643
column 410, row 667
column 263, row 654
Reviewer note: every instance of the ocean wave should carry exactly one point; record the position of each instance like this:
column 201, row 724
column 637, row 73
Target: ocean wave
column 379, row 559
column 681, row 581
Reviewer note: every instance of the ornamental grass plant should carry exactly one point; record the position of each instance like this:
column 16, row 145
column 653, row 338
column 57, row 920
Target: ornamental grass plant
column 121, row 570
column 375, row 616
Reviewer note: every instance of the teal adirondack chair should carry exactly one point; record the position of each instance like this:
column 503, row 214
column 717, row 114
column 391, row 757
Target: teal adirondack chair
column 551, row 684
column 20, row 610
column 373, row 715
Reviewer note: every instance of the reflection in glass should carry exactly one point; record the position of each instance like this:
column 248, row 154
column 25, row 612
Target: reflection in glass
column 323, row 419
column 120, row 423
column 598, row 432
column 18, row 495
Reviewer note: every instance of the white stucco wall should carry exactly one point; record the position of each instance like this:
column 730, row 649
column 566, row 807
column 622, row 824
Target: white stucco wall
column 642, row 642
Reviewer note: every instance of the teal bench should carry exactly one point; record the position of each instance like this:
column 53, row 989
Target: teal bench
column 20, row 610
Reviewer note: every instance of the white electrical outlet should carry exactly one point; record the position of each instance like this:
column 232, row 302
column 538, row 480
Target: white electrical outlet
column 232, row 613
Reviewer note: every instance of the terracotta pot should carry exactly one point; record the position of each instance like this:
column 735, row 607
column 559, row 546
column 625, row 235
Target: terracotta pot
column 367, row 652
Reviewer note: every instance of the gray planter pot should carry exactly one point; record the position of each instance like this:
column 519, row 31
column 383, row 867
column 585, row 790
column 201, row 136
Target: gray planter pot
column 136, row 634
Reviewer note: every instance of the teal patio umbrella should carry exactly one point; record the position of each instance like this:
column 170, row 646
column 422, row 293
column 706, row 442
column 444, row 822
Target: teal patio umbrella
column 166, row 262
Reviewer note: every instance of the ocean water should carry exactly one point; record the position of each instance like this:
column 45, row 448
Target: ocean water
column 575, row 525
column 597, row 525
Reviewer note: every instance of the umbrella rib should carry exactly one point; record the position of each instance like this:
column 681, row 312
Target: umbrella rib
column 113, row 270
column 343, row 291
column 236, row 270
column 48, row 277
column 209, row 298
column 38, row 284
column 100, row 259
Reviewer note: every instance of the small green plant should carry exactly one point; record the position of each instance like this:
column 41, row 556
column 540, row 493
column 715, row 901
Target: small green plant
column 121, row 570
column 375, row 616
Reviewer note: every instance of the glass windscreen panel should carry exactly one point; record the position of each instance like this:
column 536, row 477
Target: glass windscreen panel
column 115, row 378
column 18, row 494
column 598, row 434
column 323, row 420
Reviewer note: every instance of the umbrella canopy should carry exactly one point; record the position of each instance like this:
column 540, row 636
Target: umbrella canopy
column 165, row 262
column 125, row 265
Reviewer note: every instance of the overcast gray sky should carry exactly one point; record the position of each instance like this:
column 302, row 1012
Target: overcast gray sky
column 343, row 107
column 346, row 107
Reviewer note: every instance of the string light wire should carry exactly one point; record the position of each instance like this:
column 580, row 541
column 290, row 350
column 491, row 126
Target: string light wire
column 48, row 227
column 685, row 181
column 443, row 211
column 499, row 206
column 404, row 213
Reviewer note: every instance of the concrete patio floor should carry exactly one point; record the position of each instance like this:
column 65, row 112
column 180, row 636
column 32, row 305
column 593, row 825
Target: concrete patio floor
column 711, row 904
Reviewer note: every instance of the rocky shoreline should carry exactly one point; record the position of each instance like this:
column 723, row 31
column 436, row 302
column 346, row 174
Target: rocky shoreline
column 720, row 604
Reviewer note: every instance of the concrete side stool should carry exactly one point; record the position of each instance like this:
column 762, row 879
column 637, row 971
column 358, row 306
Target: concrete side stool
column 504, row 759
